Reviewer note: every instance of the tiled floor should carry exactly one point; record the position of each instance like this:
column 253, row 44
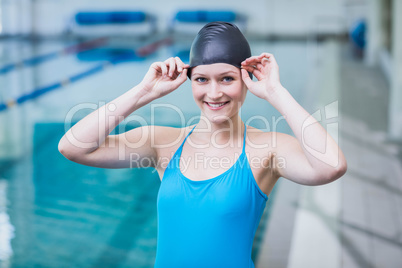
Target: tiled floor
column 366, row 230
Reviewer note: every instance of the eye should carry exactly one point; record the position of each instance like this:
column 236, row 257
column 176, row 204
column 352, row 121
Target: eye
column 200, row 79
column 228, row 79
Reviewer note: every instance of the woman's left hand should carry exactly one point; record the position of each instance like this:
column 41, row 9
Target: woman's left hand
column 266, row 70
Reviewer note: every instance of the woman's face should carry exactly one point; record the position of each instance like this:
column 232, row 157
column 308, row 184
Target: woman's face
column 218, row 90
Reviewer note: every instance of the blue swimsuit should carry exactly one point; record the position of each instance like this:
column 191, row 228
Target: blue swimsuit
column 209, row 223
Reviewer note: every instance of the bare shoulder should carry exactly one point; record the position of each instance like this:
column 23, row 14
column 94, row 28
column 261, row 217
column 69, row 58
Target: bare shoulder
column 166, row 140
column 165, row 136
column 259, row 143
column 270, row 141
column 256, row 138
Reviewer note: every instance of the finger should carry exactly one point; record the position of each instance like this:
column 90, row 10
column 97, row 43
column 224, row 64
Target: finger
column 180, row 64
column 159, row 67
column 177, row 72
column 251, row 60
column 262, row 63
column 174, row 76
column 265, row 61
column 246, row 78
column 164, row 68
column 248, row 68
column 251, row 69
column 185, row 66
column 258, row 75
column 259, row 67
column 181, row 79
column 251, row 64
column 156, row 66
column 258, row 59
column 270, row 58
column 172, row 66
column 266, row 55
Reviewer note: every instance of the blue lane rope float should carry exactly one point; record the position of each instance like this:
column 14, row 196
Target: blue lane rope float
column 205, row 15
column 49, row 56
column 99, row 54
column 110, row 17
column 141, row 52
column 120, row 54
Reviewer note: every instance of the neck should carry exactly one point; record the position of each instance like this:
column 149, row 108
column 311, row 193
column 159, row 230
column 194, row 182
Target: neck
column 222, row 132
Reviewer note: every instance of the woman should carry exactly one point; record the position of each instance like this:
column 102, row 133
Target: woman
column 216, row 183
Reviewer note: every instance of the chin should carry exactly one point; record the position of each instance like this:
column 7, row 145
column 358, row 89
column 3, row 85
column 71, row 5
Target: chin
column 219, row 119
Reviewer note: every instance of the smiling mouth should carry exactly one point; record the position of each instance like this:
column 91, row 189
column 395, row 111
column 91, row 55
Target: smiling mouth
column 216, row 104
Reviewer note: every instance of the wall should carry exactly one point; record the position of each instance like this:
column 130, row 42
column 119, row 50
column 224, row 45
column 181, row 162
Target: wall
column 16, row 16
column 266, row 17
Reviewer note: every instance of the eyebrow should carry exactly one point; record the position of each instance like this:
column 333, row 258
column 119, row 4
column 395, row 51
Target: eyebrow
column 228, row 72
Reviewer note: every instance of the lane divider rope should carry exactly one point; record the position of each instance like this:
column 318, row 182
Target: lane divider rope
column 142, row 51
column 52, row 55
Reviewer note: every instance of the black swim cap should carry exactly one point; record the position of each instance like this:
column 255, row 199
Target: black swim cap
column 219, row 42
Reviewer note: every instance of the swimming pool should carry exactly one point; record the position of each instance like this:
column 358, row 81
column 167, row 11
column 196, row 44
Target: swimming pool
column 56, row 213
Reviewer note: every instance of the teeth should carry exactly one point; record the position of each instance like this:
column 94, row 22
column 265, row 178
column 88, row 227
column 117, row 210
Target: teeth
column 216, row 105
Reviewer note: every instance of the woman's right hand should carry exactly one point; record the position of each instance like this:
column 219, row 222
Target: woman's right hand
column 164, row 77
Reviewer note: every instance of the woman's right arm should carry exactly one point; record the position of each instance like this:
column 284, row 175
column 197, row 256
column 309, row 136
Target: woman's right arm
column 89, row 141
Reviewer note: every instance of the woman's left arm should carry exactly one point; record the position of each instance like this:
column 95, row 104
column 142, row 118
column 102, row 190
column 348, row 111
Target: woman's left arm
column 313, row 157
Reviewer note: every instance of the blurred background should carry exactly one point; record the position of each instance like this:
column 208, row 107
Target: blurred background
column 60, row 60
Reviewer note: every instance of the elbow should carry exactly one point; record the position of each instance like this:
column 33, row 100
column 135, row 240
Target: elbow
column 340, row 169
column 65, row 150
column 338, row 173
column 329, row 175
column 61, row 147
column 335, row 173
column 71, row 152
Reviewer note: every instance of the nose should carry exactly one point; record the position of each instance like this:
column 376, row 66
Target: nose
column 214, row 91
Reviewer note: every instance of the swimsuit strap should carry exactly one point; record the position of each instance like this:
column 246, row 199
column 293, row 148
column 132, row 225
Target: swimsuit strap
column 187, row 136
column 244, row 138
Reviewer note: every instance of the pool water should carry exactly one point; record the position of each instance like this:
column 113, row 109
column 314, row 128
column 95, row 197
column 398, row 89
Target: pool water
column 56, row 213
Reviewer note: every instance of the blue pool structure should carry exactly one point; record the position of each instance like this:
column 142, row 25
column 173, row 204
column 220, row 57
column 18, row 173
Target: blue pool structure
column 57, row 213
column 85, row 23
column 186, row 20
